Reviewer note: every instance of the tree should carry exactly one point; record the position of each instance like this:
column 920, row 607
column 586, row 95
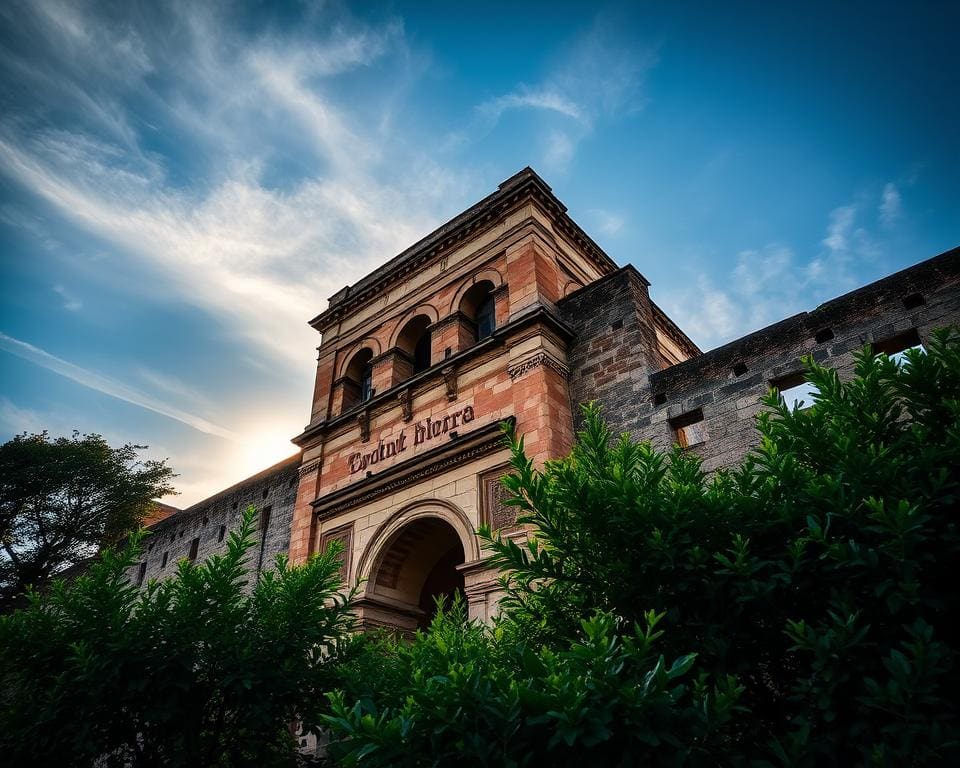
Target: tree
column 63, row 499
column 203, row 669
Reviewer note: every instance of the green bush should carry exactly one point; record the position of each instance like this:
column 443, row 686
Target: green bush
column 198, row 670
column 467, row 697
column 807, row 600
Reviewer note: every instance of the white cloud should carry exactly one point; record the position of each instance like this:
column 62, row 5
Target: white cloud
column 261, row 259
column 890, row 207
column 607, row 222
column 70, row 302
column 771, row 283
column 838, row 231
column 108, row 386
column 559, row 151
column 524, row 97
column 597, row 78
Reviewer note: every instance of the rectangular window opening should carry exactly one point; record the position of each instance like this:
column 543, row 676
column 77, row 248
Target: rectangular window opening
column 796, row 391
column 141, row 574
column 265, row 518
column 690, row 428
column 163, row 562
column 194, row 548
column 222, row 533
column 896, row 347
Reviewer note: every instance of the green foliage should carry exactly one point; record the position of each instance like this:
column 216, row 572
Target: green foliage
column 796, row 610
column 819, row 573
column 203, row 669
column 61, row 500
column 468, row 697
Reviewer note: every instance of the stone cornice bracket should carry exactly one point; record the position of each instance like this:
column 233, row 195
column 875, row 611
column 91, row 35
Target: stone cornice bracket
column 310, row 466
column 450, row 381
column 363, row 421
column 519, row 369
column 405, row 396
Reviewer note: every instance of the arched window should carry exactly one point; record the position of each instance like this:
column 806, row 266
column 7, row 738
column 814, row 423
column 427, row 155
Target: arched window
column 479, row 306
column 358, row 384
column 414, row 339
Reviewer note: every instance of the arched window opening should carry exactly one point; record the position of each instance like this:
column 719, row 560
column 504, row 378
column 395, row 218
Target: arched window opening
column 414, row 340
column 358, row 380
column 478, row 305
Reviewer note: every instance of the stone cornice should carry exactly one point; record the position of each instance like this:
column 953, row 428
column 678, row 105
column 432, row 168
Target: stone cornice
column 476, row 443
column 511, row 194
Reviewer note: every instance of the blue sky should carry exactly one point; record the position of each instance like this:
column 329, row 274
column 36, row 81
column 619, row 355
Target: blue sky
column 182, row 187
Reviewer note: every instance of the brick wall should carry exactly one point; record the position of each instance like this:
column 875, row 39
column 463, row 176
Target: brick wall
column 611, row 362
column 275, row 487
column 615, row 350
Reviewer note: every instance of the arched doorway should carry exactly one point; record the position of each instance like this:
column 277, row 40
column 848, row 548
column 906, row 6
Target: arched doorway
column 414, row 560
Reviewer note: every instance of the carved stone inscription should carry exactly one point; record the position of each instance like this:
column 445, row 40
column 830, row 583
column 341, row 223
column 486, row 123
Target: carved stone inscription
column 423, row 431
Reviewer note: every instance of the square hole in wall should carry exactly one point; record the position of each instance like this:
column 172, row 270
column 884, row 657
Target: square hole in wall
column 913, row 301
column 690, row 428
column 659, row 398
column 897, row 346
column 739, row 369
column 823, row 335
column 796, row 391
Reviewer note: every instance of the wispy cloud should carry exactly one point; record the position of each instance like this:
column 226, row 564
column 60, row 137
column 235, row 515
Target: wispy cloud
column 599, row 77
column 890, row 208
column 259, row 257
column 773, row 282
column 525, row 97
column 70, row 302
column 108, row 386
column 608, row 222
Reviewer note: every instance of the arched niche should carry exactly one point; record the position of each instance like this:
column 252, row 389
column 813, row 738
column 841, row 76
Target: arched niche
column 412, row 558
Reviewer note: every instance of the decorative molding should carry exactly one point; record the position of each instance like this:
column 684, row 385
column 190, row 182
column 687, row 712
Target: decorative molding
column 363, row 420
column 486, row 439
column 519, row 369
column 308, row 467
column 405, row 396
column 450, row 381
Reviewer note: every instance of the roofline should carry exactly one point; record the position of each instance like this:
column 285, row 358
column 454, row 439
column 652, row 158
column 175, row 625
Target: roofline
column 524, row 184
column 280, row 466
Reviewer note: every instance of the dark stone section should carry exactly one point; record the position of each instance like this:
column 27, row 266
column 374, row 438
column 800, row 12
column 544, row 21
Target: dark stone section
column 615, row 349
column 618, row 368
column 275, row 487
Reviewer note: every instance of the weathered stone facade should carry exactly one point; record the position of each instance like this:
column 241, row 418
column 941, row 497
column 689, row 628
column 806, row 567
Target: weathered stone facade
column 649, row 399
column 205, row 525
column 509, row 313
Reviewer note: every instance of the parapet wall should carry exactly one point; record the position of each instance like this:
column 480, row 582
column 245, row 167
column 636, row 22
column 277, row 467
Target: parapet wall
column 209, row 522
column 725, row 384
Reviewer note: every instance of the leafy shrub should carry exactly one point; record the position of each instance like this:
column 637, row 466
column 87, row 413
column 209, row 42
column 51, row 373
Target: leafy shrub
column 806, row 600
column 196, row 670
column 469, row 698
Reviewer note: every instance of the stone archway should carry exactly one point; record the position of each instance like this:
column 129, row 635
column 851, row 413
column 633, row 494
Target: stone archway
column 415, row 557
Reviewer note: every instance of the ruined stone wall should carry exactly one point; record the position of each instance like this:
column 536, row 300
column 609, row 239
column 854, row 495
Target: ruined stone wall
column 615, row 347
column 211, row 521
column 610, row 362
